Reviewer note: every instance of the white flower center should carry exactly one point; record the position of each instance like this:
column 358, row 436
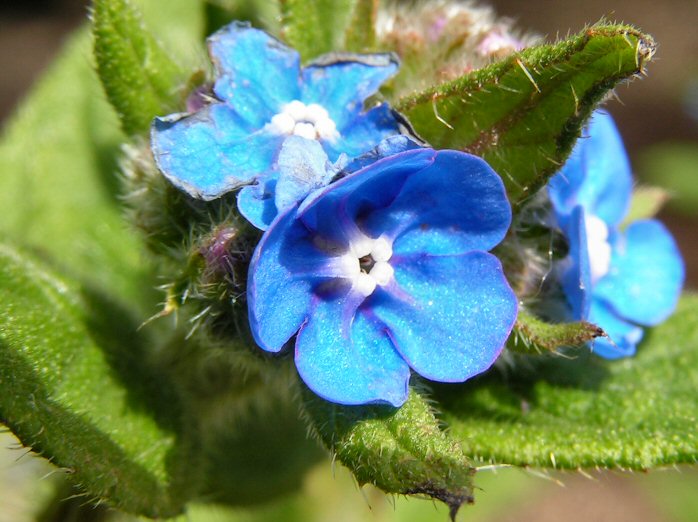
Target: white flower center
column 599, row 248
column 366, row 264
column 308, row 121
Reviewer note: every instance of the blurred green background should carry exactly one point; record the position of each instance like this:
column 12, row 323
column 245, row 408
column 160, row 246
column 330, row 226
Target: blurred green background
column 659, row 120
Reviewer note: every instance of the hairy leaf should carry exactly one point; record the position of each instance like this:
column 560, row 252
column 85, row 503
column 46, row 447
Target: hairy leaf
column 360, row 33
column 399, row 450
column 533, row 335
column 76, row 389
column 523, row 114
column 314, row 27
column 140, row 80
column 634, row 413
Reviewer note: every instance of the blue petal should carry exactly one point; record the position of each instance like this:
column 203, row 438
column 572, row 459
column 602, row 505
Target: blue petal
column 341, row 82
column 455, row 205
column 361, row 134
column 646, row 274
column 449, row 316
column 256, row 202
column 303, row 167
column 256, row 73
column 597, row 175
column 387, row 147
column 576, row 278
column 334, row 209
column 347, row 358
column 279, row 288
column 623, row 336
column 208, row 153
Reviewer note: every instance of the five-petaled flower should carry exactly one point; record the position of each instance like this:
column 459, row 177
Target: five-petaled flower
column 385, row 270
column 263, row 96
column 616, row 278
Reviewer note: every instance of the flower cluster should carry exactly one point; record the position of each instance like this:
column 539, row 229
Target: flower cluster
column 620, row 278
column 375, row 258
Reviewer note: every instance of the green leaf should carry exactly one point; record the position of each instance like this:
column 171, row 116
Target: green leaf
column 140, row 80
column 77, row 389
column 645, row 204
column 532, row 335
column 399, row 450
column 634, row 413
column 672, row 166
column 523, row 114
column 361, row 33
column 314, row 27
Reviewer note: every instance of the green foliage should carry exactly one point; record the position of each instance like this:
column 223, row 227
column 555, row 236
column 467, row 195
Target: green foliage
column 360, row 33
column 584, row 411
column 532, row 335
column 314, row 27
column 77, row 390
column 523, row 114
column 672, row 166
column 139, row 78
column 399, row 450
column 645, row 204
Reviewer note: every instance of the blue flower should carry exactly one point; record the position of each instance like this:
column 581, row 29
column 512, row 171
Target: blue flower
column 619, row 279
column 387, row 270
column 264, row 96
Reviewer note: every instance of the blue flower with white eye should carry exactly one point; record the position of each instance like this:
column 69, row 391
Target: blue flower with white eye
column 619, row 279
column 385, row 271
column 263, row 96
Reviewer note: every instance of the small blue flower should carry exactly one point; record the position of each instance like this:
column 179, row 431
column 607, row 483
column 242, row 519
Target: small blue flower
column 618, row 279
column 264, row 96
column 385, row 270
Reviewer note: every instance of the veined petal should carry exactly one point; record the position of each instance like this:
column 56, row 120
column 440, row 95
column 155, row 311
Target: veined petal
column 327, row 211
column 448, row 316
column 576, row 277
column 341, row 82
column 646, row 274
column 256, row 73
column 596, row 176
column 455, row 205
column 279, row 288
column 363, row 132
column 346, row 358
column 208, row 153
column 623, row 336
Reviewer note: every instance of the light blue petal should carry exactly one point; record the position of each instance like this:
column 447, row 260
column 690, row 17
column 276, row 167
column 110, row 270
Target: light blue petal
column 345, row 357
column 387, row 147
column 303, row 167
column 279, row 288
column 646, row 274
column 623, row 336
column 455, row 205
column 208, row 153
column 341, row 82
column 363, row 133
column 576, row 277
column 256, row 74
column 448, row 316
column 256, row 202
column 597, row 175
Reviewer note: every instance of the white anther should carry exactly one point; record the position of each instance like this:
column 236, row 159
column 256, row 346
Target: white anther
column 382, row 249
column 381, row 273
column 326, row 129
column 361, row 247
column 305, row 130
column 315, row 113
column 296, row 109
column 364, row 284
column 350, row 266
column 283, row 123
column 598, row 246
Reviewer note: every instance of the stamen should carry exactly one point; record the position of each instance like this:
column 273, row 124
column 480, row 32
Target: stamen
column 599, row 248
column 308, row 121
